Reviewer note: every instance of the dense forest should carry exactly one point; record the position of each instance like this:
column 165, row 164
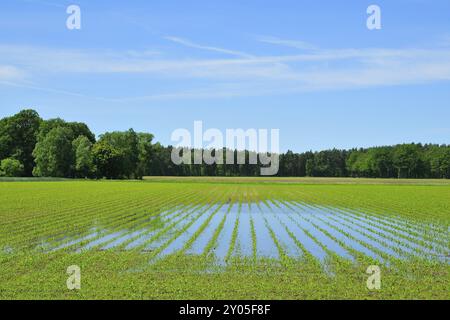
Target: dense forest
column 31, row 146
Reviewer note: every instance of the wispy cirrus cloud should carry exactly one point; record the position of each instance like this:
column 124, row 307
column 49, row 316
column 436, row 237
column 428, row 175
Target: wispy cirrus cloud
column 191, row 44
column 239, row 75
column 27, row 85
column 297, row 44
column 58, row 61
column 8, row 73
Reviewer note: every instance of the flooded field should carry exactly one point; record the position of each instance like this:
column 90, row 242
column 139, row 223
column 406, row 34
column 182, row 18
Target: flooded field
column 266, row 230
column 169, row 240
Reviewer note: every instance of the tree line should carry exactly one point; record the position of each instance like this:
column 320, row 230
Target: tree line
column 31, row 146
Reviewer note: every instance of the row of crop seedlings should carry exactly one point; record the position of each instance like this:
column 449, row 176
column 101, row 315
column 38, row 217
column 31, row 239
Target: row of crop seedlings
column 157, row 204
column 178, row 212
column 221, row 238
column 308, row 237
column 373, row 248
column 383, row 251
column 252, row 236
column 267, row 245
column 221, row 242
column 144, row 242
column 83, row 220
column 87, row 219
column 86, row 222
column 173, row 218
column 242, row 248
column 310, row 248
column 285, row 245
column 51, row 209
column 422, row 230
column 401, row 227
column 177, row 244
column 137, row 222
column 40, row 200
column 175, row 209
column 271, row 239
column 252, row 231
column 71, row 218
column 380, row 207
column 133, row 221
column 415, row 218
column 232, row 244
column 288, row 235
column 204, row 239
column 383, row 244
column 410, row 231
column 297, row 228
column 411, row 245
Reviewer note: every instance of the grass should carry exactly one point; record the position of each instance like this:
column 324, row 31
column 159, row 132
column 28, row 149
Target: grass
column 405, row 218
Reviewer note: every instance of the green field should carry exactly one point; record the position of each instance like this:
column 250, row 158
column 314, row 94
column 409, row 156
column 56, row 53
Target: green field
column 225, row 238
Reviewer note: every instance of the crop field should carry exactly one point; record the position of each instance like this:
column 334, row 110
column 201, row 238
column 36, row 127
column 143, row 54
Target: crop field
column 224, row 239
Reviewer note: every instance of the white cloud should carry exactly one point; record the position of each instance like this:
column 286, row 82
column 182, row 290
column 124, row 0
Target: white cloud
column 336, row 69
column 54, row 61
column 8, row 73
column 297, row 44
column 51, row 90
column 190, row 44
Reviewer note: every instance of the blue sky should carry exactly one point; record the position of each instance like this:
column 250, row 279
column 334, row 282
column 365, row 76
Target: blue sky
column 309, row 68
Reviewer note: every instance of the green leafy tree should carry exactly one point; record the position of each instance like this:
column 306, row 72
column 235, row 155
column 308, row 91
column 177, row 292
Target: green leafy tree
column 77, row 129
column 107, row 160
column 5, row 139
column 127, row 144
column 438, row 158
column 18, row 136
column 406, row 159
column 66, row 149
column 359, row 163
column 310, row 167
column 54, row 154
column 380, row 160
column 161, row 163
column 11, row 168
column 81, row 129
column 145, row 155
column 48, row 125
column 84, row 158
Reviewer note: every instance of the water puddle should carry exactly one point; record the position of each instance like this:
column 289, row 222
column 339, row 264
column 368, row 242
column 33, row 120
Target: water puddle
column 266, row 230
column 76, row 241
column 244, row 243
column 199, row 245
column 265, row 246
column 286, row 241
column 298, row 232
column 316, row 233
column 224, row 240
column 122, row 239
column 178, row 243
column 101, row 240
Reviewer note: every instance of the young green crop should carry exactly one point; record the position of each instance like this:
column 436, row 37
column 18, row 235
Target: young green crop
column 44, row 224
